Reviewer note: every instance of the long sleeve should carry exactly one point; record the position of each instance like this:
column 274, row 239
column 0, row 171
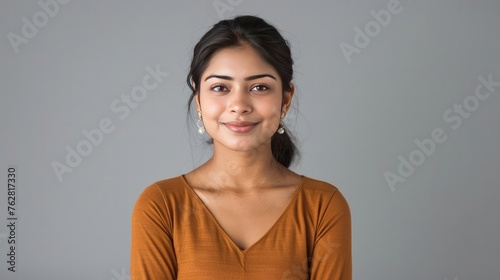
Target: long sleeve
column 152, row 250
column 331, row 258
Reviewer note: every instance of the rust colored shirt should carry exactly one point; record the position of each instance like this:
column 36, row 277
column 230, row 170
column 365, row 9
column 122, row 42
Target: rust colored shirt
column 174, row 236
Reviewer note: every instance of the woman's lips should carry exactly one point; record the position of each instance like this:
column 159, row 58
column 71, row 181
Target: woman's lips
column 240, row 127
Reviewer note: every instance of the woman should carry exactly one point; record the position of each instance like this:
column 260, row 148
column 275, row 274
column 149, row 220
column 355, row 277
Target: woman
column 243, row 214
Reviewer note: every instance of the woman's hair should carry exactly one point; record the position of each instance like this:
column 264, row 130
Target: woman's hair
column 268, row 43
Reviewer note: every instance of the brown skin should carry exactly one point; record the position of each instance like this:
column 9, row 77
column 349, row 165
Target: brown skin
column 242, row 184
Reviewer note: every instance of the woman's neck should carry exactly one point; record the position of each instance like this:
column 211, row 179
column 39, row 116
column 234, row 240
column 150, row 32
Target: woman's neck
column 241, row 171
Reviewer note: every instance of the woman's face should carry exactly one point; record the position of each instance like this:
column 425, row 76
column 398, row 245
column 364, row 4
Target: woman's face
column 241, row 100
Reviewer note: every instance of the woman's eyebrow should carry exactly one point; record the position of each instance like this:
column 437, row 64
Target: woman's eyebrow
column 259, row 76
column 253, row 77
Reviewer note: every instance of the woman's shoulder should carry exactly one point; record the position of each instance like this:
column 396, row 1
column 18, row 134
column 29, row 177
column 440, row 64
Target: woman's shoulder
column 324, row 196
column 171, row 184
column 165, row 190
column 312, row 185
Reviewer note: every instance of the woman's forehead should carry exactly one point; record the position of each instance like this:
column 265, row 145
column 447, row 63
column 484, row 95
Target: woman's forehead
column 238, row 62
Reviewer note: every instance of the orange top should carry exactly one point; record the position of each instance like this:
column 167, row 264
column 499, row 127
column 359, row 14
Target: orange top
column 174, row 236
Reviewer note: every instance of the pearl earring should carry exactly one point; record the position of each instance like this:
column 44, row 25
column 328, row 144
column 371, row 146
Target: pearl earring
column 281, row 128
column 199, row 124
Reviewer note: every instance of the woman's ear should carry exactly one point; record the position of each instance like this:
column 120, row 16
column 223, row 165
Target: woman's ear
column 197, row 101
column 287, row 98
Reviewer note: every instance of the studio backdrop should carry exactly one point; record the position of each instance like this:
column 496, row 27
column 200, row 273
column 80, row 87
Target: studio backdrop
column 397, row 104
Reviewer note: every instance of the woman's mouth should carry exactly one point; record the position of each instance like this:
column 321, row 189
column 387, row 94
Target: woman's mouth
column 240, row 126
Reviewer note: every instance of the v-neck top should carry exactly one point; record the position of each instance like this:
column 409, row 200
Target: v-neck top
column 175, row 236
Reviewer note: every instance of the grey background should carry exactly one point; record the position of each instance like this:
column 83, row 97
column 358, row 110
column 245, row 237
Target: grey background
column 352, row 121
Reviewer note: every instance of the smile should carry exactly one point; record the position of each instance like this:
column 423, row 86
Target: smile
column 240, row 127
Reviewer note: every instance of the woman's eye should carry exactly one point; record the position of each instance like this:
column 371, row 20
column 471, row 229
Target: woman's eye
column 219, row 88
column 260, row 88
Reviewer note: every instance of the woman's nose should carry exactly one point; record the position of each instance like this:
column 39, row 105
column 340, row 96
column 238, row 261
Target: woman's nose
column 240, row 102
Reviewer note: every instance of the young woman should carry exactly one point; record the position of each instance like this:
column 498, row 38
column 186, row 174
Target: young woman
column 242, row 214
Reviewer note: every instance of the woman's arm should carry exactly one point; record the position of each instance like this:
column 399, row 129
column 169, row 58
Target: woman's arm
column 152, row 250
column 331, row 257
